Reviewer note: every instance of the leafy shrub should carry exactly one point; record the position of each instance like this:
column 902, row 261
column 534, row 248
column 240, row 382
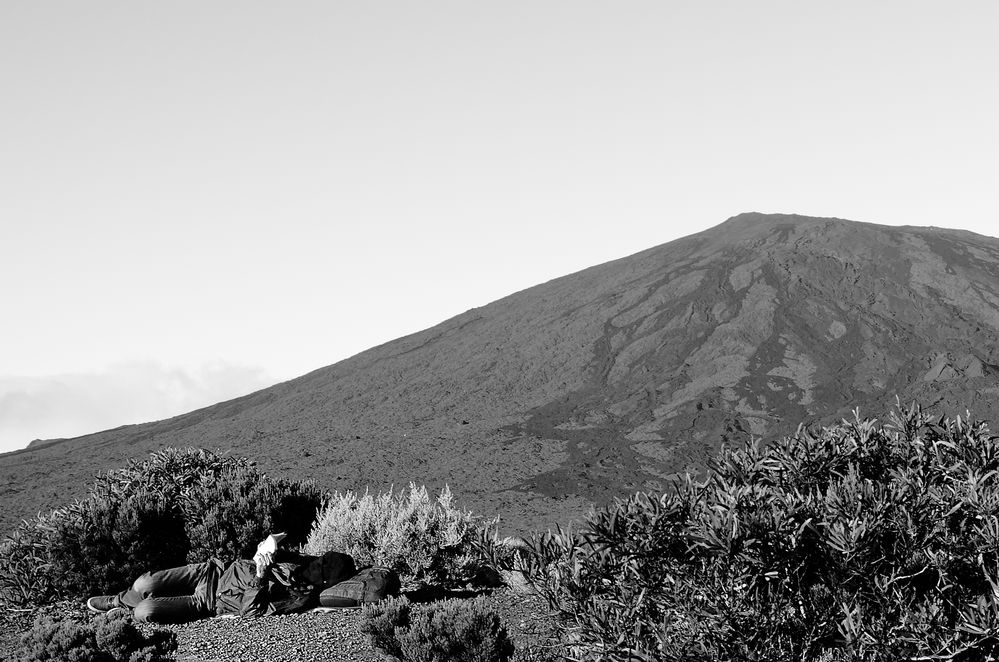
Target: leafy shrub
column 229, row 513
column 379, row 621
column 171, row 471
column 453, row 630
column 503, row 560
column 178, row 506
column 861, row 541
column 460, row 630
column 106, row 543
column 421, row 539
column 25, row 576
column 108, row 638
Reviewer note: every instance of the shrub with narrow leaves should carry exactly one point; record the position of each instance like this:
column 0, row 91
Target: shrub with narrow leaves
column 422, row 539
column 448, row 631
column 862, row 541
column 503, row 560
column 25, row 576
column 107, row 638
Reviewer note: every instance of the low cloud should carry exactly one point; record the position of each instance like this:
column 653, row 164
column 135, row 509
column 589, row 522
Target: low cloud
column 134, row 392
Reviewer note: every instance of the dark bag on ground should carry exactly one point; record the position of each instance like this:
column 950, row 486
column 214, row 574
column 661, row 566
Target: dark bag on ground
column 368, row 585
column 336, row 567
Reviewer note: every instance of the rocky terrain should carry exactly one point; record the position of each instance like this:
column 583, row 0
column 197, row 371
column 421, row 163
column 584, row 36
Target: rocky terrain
column 610, row 380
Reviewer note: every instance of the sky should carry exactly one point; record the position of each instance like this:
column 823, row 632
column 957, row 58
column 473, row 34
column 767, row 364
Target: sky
column 200, row 199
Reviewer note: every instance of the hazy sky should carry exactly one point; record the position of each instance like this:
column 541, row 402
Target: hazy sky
column 198, row 199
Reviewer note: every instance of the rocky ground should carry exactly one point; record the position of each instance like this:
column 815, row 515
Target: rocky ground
column 312, row 637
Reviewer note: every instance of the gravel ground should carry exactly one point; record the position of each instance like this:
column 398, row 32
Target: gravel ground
column 328, row 637
column 311, row 637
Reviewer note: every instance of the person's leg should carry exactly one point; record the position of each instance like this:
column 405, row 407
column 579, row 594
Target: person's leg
column 173, row 582
column 178, row 609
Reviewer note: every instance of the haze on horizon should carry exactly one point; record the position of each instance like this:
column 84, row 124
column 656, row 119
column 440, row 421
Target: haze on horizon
column 201, row 200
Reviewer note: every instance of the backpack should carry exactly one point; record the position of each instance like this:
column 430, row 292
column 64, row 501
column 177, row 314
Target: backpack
column 368, row 585
column 335, row 567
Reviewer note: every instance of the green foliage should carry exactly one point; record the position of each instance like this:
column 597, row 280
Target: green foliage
column 421, row 539
column 507, row 553
column 107, row 638
column 503, row 560
column 459, row 630
column 229, row 513
column 452, row 630
column 857, row 542
column 379, row 621
column 25, row 576
column 178, row 506
column 106, row 542
column 171, row 471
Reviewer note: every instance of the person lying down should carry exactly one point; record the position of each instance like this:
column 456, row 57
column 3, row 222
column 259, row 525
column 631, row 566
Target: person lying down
column 275, row 581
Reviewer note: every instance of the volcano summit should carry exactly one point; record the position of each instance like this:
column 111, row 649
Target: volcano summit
column 612, row 379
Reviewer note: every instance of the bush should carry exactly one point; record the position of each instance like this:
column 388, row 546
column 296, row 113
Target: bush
column 104, row 542
column 25, row 576
column 108, row 638
column 379, row 621
column 171, row 471
column 229, row 513
column 420, row 539
column 178, row 506
column 860, row 541
column 503, row 560
column 453, row 630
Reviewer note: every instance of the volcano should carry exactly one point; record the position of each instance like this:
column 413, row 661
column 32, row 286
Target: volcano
column 611, row 380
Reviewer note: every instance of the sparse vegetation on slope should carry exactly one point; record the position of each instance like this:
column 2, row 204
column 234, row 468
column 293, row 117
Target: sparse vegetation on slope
column 861, row 541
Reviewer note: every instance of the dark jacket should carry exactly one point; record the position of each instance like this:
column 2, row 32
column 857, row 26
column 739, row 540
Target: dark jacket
column 292, row 584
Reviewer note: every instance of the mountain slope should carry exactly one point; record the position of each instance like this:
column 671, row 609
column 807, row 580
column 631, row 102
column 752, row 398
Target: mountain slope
column 612, row 379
